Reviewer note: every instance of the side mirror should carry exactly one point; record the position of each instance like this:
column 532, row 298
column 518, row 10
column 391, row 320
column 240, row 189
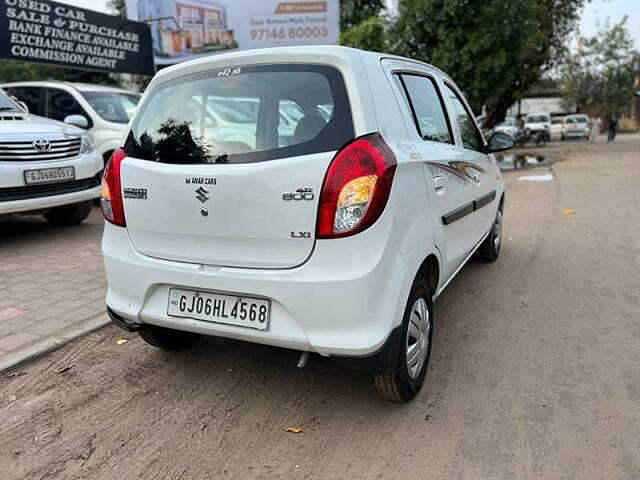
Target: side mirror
column 77, row 121
column 499, row 142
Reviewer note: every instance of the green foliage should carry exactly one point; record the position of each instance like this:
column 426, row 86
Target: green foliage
column 117, row 7
column 13, row 71
column 493, row 49
column 601, row 74
column 368, row 35
column 353, row 12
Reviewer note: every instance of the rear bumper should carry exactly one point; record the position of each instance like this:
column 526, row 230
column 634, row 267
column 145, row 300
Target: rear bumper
column 575, row 133
column 345, row 301
column 28, row 205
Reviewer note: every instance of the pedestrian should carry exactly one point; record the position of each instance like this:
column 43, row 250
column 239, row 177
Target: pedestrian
column 596, row 124
column 612, row 129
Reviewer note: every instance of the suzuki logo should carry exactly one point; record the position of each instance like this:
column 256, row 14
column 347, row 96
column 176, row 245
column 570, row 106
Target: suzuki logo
column 201, row 194
column 42, row 146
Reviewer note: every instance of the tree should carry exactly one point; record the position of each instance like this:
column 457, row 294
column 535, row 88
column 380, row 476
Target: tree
column 370, row 34
column 601, row 74
column 493, row 49
column 15, row 71
column 117, row 7
column 353, row 12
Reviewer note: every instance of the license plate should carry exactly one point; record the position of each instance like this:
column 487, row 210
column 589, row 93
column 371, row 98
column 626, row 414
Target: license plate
column 214, row 307
column 49, row 175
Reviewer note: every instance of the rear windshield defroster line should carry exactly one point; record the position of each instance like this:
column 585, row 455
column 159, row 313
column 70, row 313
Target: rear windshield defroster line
column 287, row 110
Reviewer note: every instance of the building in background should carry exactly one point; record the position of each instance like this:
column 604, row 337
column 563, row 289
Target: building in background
column 187, row 26
column 186, row 29
column 552, row 103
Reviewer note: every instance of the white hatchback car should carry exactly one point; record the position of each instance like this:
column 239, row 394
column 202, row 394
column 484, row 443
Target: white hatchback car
column 575, row 126
column 102, row 110
column 335, row 241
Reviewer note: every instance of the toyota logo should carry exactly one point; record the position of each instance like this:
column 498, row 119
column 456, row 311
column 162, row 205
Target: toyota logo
column 42, row 146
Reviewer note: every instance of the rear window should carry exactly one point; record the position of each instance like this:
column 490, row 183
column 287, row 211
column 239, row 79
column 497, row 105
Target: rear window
column 243, row 114
column 537, row 119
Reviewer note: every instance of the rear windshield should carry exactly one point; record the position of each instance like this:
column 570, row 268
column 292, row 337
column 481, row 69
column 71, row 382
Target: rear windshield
column 537, row 119
column 243, row 114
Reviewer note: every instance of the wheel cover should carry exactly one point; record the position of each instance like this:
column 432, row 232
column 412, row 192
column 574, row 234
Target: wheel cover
column 497, row 231
column 418, row 337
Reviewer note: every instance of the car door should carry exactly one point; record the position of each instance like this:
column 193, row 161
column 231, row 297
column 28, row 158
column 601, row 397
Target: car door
column 450, row 193
column 480, row 168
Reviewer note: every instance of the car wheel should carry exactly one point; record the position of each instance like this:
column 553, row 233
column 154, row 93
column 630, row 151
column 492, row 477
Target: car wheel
column 489, row 250
column 166, row 338
column 404, row 382
column 69, row 214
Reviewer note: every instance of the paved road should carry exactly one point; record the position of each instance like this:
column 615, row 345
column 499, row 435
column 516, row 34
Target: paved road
column 535, row 371
column 52, row 284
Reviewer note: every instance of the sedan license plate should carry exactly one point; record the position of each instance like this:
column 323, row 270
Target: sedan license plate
column 214, row 307
column 49, row 175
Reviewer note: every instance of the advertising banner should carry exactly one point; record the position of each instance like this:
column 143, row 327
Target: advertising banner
column 50, row 32
column 186, row 29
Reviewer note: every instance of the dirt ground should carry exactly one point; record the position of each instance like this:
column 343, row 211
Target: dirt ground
column 535, row 371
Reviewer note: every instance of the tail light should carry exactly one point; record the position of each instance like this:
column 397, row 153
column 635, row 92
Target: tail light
column 111, row 192
column 356, row 187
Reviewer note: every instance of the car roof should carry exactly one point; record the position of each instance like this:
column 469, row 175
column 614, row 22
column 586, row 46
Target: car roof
column 82, row 87
column 322, row 54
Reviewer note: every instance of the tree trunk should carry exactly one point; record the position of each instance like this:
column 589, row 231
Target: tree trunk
column 497, row 111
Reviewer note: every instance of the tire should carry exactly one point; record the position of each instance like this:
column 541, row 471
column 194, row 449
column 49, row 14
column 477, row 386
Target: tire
column 489, row 250
column 166, row 338
column 404, row 382
column 562, row 138
column 69, row 214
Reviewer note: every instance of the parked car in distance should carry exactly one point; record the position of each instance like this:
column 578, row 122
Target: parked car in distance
column 509, row 126
column 46, row 167
column 575, row 126
column 102, row 110
column 555, row 131
column 539, row 122
column 336, row 241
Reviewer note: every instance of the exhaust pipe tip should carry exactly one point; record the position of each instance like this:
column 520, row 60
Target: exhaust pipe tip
column 304, row 359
